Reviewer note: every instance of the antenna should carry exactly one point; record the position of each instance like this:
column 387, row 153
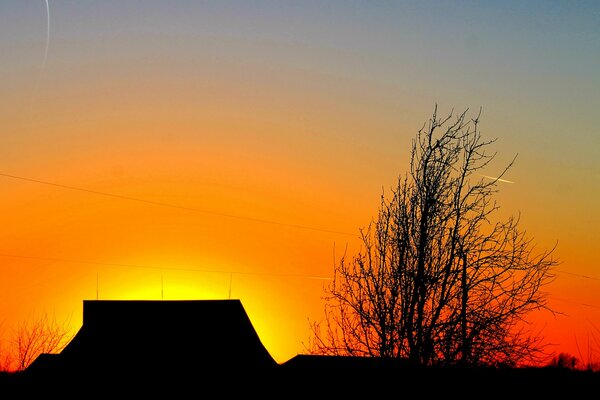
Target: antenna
column 162, row 292
column 96, row 285
column 230, row 279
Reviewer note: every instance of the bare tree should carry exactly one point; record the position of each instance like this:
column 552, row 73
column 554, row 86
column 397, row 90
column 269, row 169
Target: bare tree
column 39, row 335
column 6, row 358
column 564, row 360
column 437, row 280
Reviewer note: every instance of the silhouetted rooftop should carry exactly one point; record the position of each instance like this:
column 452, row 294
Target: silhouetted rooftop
column 161, row 338
column 211, row 345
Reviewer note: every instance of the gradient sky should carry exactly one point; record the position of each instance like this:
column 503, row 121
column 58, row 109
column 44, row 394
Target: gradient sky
column 253, row 116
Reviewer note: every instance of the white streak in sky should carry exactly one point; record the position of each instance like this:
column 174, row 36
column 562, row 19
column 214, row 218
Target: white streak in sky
column 47, row 34
column 42, row 69
column 496, row 179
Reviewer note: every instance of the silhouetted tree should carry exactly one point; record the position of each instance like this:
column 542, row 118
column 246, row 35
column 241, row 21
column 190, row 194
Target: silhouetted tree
column 564, row 360
column 437, row 280
column 588, row 356
column 39, row 335
column 6, row 358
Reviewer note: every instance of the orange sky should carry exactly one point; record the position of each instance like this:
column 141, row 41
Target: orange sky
column 241, row 116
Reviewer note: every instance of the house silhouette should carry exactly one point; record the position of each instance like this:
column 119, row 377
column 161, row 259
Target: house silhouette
column 209, row 348
column 166, row 341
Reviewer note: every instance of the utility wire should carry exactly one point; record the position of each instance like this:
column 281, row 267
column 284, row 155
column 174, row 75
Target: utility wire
column 578, row 275
column 63, row 260
column 575, row 302
column 162, row 204
column 204, row 211
column 196, row 269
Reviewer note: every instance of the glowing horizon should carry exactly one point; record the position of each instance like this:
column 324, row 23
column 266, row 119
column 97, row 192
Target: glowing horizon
column 236, row 149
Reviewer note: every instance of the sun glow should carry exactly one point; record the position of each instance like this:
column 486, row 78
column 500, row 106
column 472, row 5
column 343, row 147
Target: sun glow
column 163, row 285
column 196, row 150
column 255, row 291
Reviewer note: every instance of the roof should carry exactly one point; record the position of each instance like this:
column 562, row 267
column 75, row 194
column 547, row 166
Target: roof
column 162, row 337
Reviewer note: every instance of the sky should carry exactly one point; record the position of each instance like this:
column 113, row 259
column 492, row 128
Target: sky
column 199, row 150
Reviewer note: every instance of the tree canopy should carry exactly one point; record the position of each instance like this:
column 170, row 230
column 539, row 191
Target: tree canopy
column 439, row 279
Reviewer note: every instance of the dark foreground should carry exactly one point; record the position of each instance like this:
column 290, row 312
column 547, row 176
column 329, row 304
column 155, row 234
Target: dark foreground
column 309, row 377
column 209, row 349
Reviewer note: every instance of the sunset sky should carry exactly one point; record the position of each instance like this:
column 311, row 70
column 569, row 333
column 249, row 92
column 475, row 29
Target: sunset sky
column 202, row 150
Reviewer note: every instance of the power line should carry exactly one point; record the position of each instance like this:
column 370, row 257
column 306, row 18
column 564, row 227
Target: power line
column 575, row 302
column 578, row 275
column 162, row 204
column 63, row 260
column 230, row 273
column 204, row 211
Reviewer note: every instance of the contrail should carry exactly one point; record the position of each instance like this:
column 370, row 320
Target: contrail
column 36, row 82
column 47, row 33
column 496, row 179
